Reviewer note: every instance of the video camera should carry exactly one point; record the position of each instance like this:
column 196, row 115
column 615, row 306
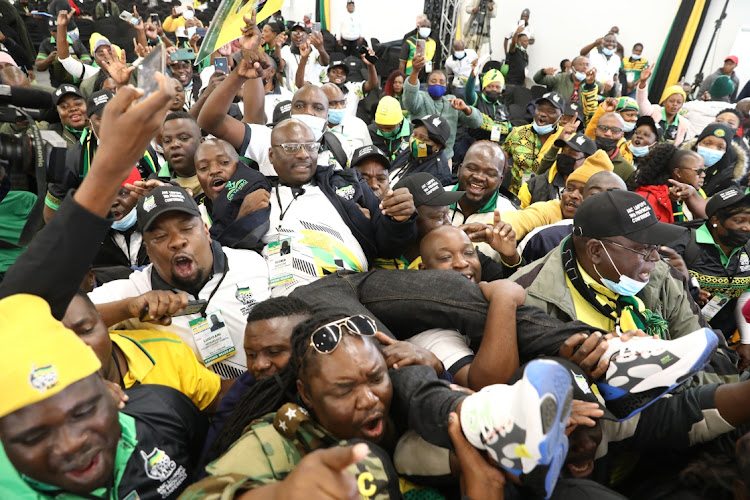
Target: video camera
column 40, row 149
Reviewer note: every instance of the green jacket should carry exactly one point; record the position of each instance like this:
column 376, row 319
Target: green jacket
column 666, row 294
column 420, row 104
column 273, row 445
column 562, row 83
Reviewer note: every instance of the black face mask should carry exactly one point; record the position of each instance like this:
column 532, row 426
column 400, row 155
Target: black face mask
column 565, row 164
column 492, row 96
column 735, row 238
column 606, row 143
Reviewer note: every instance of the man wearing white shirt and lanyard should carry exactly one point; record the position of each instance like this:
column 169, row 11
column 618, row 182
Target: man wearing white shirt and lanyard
column 315, row 63
column 350, row 31
column 187, row 265
column 325, row 220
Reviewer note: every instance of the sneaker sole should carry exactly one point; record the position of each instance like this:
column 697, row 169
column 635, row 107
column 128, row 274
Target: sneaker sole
column 625, row 403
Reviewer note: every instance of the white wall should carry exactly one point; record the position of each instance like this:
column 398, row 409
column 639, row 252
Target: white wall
column 561, row 28
column 738, row 15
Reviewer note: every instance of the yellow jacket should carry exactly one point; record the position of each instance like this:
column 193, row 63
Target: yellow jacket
column 535, row 215
column 171, row 24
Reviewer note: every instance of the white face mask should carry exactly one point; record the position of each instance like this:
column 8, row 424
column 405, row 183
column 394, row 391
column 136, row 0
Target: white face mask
column 316, row 124
column 425, row 32
column 188, row 14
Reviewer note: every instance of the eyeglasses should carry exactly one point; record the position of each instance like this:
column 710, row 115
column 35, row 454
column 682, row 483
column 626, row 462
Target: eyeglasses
column 292, row 148
column 604, row 128
column 326, row 338
column 698, row 171
column 646, row 255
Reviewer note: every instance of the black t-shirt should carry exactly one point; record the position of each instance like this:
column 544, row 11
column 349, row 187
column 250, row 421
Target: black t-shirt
column 517, row 62
column 170, row 431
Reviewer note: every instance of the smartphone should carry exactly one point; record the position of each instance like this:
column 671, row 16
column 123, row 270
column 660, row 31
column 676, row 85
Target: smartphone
column 193, row 307
column 155, row 62
column 127, row 16
column 202, row 32
column 316, row 26
column 155, row 19
column 182, row 55
column 421, row 47
column 221, row 64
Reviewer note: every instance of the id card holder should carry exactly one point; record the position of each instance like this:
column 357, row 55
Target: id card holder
column 428, row 67
column 212, row 338
column 279, row 258
column 712, row 308
column 497, row 132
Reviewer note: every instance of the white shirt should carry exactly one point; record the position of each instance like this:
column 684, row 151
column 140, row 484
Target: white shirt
column 271, row 100
column 606, row 69
column 260, row 141
column 246, row 283
column 315, row 73
column 353, row 134
column 525, row 241
column 461, row 68
column 351, row 27
column 528, row 31
column 321, row 242
column 355, row 94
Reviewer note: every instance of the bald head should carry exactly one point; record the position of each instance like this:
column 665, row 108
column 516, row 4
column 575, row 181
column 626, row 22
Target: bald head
column 310, row 100
column 612, row 120
column 603, row 181
column 459, row 45
column 333, row 93
column 11, row 75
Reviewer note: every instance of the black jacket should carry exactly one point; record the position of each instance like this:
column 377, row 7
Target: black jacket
column 436, row 165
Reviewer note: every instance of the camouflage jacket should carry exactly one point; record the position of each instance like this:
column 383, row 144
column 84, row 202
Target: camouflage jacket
column 271, row 447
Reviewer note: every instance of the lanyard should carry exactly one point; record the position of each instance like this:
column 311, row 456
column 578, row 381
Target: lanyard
column 216, row 288
column 294, row 198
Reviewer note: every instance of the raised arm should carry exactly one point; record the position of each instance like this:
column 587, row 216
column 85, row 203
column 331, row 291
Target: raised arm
column 372, row 73
column 588, row 48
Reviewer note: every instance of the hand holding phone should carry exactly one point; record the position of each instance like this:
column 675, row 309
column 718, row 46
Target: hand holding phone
column 155, row 62
column 221, row 64
column 421, row 47
column 316, row 26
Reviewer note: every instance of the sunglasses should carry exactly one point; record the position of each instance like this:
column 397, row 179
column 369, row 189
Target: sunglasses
column 326, row 338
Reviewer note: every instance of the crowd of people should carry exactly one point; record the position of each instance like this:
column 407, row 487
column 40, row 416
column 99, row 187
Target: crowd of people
column 538, row 283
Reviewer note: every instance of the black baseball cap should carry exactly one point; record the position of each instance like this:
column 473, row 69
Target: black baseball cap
column 571, row 108
column 427, row 190
column 369, row 152
column 578, row 142
column 282, row 111
column 163, row 199
column 647, row 120
column 553, row 98
column 338, row 62
column 52, row 24
column 97, row 101
column 437, row 128
column 62, row 90
column 723, row 199
column 622, row 213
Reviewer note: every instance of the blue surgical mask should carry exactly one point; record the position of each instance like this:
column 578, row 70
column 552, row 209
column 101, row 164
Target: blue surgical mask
column 639, row 151
column 607, row 52
column 315, row 123
column 336, row 116
column 626, row 286
column 425, row 32
column 543, row 129
column 579, row 76
column 634, row 57
column 710, row 156
column 126, row 222
column 459, row 54
column 629, row 126
column 436, row 91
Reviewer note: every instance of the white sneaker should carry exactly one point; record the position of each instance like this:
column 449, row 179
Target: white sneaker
column 643, row 369
column 523, row 425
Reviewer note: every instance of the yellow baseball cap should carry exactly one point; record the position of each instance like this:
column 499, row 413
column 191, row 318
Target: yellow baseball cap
column 42, row 357
column 388, row 112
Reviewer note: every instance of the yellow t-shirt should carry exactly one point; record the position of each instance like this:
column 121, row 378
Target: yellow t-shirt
column 156, row 357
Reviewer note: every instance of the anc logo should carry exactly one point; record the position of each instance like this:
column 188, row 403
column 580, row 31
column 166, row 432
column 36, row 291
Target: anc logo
column 43, row 378
column 233, row 187
column 244, row 295
column 149, row 203
column 719, row 133
column 346, row 192
column 158, row 465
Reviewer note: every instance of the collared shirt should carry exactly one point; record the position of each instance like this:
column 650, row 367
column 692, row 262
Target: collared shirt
column 246, row 283
column 162, row 358
column 351, row 27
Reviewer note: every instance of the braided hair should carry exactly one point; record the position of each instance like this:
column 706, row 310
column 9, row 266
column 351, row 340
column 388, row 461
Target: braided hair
column 268, row 395
column 654, row 169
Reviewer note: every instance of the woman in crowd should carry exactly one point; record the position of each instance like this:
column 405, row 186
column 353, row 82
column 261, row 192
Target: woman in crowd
column 664, row 163
column 726, row 162
column 394, row 87
column 667, row 113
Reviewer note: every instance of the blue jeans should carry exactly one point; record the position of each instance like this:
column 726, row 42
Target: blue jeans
column 407, row 302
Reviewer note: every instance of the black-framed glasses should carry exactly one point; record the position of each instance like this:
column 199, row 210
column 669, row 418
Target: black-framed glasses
column 604, row 128
column 327, row 338
column 646, row 255
column 292, row 148
column 698, row 171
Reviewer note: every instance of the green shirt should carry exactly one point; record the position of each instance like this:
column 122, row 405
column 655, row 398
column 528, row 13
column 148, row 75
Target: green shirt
column 14, row 211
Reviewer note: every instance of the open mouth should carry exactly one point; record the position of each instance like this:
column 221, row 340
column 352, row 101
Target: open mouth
column 218, row 184
column 581, row 470
column 175, row 158
column 183, row 266
column 76, row 117
column 475, row 188
column 87, row 470
column 373, row 428
column 469, row 276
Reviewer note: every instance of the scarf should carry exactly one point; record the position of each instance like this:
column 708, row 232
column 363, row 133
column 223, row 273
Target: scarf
column 629, row 313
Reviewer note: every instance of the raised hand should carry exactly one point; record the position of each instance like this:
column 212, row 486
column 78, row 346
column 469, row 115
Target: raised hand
column 609, row 105
column 591, row 76
column 250, row 39
column 570, row 128
column 502, row 239
column 398, row 204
